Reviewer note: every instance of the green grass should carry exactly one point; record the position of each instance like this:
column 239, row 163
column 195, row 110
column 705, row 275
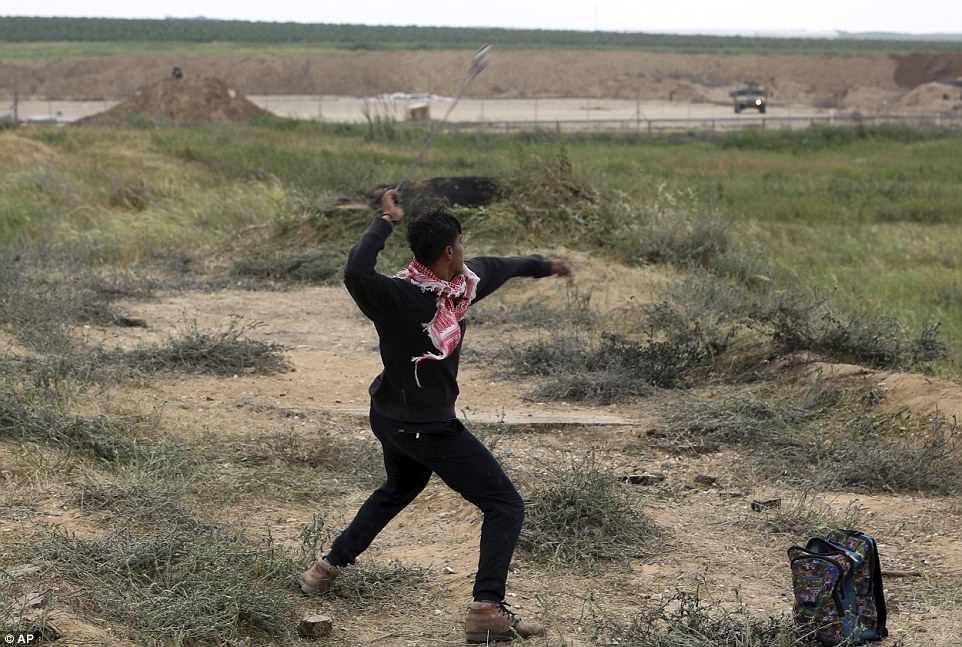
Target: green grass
column 86, row 36
column 871, row 215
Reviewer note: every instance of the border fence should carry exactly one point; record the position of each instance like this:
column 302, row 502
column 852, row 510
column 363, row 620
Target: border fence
column 712, row 124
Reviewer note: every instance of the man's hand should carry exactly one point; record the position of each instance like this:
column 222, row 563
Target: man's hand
column 561, row 268
column 391, row 207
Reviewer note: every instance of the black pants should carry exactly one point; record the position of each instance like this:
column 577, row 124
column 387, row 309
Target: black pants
column 411, row 453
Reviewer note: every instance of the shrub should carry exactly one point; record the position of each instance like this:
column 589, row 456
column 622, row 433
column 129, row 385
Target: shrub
column 804, row 321
column 892, row 453
column 685, row 620
column 192, row 350
column 35, row 417
column 370, row 585
column 580, row 514
column 183, row 585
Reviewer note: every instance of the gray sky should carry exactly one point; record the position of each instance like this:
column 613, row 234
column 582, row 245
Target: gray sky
column 624, row 15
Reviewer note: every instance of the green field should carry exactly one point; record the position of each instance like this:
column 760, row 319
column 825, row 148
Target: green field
column 99, row 36
column 871, row 216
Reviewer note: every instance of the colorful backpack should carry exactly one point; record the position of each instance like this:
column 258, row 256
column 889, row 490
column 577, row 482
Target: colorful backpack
column 838, row 588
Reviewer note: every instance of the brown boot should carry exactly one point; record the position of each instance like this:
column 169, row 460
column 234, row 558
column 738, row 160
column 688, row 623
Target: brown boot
column 318, row 578
column 489, row 622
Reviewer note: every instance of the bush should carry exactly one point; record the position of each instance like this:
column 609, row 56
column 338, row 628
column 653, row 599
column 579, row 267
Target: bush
column 685, row 620
column 751, row 419
column 44, row 292
column 35, row 417
column 145, row 500
column 612, row 367
column 799, row 320
column 374, row 586
column 581, row 515
column 192, row 350
column 892, row 453
column 176, row 584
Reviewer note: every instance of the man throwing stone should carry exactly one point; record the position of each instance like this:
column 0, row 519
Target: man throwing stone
column 419, row 315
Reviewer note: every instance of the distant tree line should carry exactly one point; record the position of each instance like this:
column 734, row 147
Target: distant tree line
column 27, row 29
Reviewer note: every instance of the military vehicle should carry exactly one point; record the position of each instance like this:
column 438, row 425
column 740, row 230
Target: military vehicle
column 750, row 96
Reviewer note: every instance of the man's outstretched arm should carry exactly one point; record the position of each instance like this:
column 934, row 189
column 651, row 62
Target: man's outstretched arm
column 374, row 293
column 494, row 271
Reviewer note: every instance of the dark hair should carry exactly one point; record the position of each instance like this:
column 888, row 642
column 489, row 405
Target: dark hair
column 430, row 233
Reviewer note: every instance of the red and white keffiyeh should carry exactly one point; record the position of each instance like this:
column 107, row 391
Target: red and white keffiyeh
column 454, row 297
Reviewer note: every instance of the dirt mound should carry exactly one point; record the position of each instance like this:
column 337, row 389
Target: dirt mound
column 22, row 151
column 913, row 70
column 181, row 101
column 868, row 99
column 932, row 97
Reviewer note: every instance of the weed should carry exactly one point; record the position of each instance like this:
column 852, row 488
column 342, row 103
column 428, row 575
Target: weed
column 145, row 501
column 34, row 417
column 44, row 292
column 754, row 420
column 186, row 586
column 372, row 585
column 599, row 387
column 804, row 321
column 580, row 514
column 892, row 453
column 612, row 367
column 193, row 350
column 804, row 516
column 685, row 620
column 361, row 460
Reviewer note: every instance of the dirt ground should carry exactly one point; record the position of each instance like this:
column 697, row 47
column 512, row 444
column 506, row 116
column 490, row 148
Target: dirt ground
column 333, row 355
column 512, row 73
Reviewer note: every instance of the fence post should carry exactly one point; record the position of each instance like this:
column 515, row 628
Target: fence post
column 764, row 124
column 16, row 107
column 649, row 126
column 558, row 126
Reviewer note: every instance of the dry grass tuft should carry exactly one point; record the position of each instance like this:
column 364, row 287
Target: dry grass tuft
column 580, row 514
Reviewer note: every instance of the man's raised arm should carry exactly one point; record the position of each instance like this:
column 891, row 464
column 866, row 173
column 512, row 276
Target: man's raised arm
column 374, row 293
column 494, row 271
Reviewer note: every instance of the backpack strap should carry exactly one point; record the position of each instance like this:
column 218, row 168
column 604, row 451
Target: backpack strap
column 818, row 545
column 877, row 589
